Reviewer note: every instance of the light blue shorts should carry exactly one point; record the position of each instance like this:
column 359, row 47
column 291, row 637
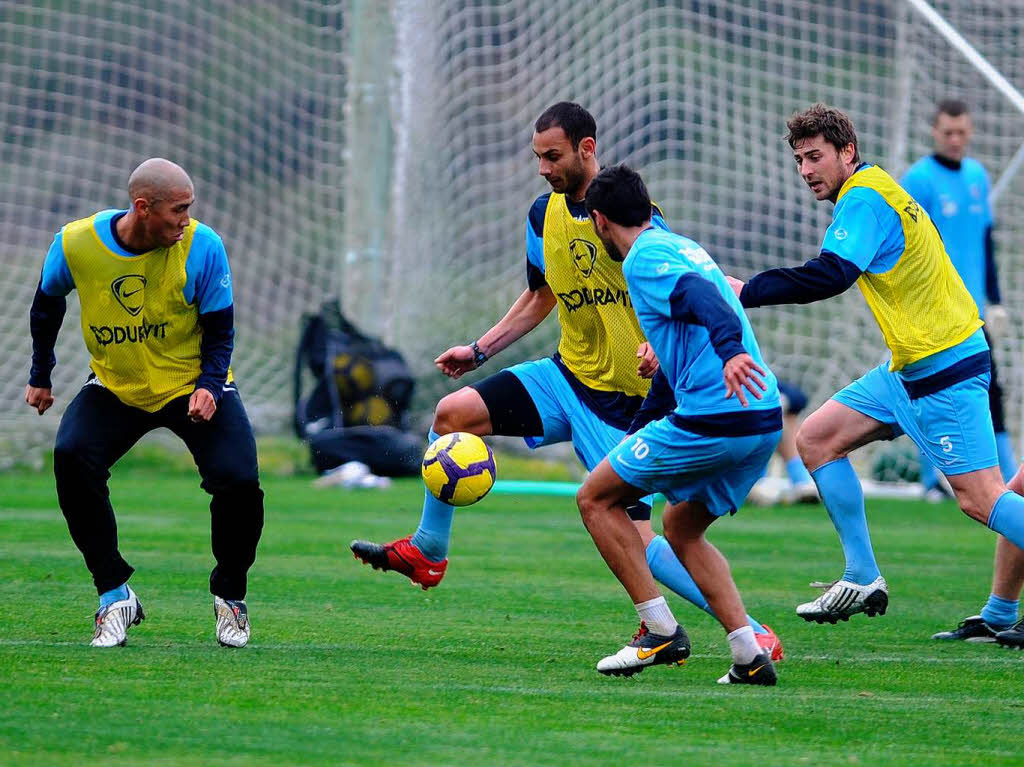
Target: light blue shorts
column 715, row 471
column 952, row 427
column 565, row 418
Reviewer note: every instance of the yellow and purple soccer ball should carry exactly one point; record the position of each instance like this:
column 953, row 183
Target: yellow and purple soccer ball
column 458, row 468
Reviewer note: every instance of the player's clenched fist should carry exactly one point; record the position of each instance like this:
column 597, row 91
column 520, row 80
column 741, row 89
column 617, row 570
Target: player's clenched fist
column 39, row 398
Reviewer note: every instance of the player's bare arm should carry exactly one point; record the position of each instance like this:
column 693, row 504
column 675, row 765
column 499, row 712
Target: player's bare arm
column 528, row 311
column 741, row 372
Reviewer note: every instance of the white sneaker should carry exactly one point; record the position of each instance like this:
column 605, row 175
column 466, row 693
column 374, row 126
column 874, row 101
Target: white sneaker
column 804, row 492
column 845, row 598
column 114, row 620
column 233, row 628
column 647, row 649
column 767, row 491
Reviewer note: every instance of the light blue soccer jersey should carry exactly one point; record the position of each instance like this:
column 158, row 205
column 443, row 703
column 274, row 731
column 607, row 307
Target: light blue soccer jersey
column 207, row 274
column 865, row 231
column 956, row 200
column 654, row 268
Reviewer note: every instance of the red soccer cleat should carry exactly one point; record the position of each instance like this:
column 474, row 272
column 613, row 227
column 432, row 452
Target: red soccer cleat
column 402, row 557
column 770, row 642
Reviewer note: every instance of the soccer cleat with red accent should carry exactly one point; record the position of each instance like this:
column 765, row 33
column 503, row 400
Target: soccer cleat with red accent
column 402, row 557
column 233, row 629
column 770, row 642
column 647, row 649
column 111, row 624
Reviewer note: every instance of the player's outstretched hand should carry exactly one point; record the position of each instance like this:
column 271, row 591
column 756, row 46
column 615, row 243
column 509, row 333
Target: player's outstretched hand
column 456, row 361
column 39, row 398
column 648, row 362
column 201, row 405
column 741, row 372
column 736, row 285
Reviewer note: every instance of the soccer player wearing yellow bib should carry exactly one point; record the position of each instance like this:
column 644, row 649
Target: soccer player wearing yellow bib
column 934, row 389
column 158, row 321
column 586, row 393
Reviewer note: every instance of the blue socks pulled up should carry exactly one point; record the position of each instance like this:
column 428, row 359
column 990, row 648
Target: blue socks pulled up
column 844, row 499
column 669, row 571
column 1007, row 518
column 435, row 529
column 796, row 470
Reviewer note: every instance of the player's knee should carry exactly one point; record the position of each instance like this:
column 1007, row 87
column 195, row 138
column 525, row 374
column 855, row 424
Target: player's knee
column 974, row 509
column 590, row 506
column 811, row 444
column 460, row 411
column 69, row 454
column 675, row 525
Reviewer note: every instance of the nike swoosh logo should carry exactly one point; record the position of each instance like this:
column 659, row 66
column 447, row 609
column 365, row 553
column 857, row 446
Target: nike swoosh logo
column 125, row 295
column 755, row 670
column 642, row 654
column 433, row 572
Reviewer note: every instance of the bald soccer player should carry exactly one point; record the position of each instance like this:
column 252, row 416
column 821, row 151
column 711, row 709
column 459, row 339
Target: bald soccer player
column 158, row 321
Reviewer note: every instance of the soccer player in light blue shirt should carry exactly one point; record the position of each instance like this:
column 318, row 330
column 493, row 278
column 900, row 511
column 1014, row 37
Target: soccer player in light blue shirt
column 698, row 439
column 954, row 190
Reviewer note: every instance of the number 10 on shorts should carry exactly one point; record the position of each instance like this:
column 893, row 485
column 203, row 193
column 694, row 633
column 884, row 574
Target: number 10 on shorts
column 640, row 449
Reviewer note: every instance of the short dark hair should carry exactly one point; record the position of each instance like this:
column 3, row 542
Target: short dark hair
column 951, row 107
column 621, row 195
column 823, row 120
column 576, row 121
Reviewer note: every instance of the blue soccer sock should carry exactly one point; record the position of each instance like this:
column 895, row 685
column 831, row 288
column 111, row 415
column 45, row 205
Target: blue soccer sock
column 796, row 470
column 929, row 477
column 1007, row 518
column 668, row 570
column 1004, row 449
column 843, row 497
column 114, row 595
column 1000, row 613
column 435, row 529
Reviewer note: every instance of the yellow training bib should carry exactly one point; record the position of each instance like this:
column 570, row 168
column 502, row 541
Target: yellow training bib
column 921, row 304
column 142, row 336
column 600, row 331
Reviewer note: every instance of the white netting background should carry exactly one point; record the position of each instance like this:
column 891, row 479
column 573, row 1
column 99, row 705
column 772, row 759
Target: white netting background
column 335, row 156
column 247, row 96
column 695, row 95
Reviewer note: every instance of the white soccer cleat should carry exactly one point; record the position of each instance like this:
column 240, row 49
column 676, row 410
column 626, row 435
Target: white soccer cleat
column 647, row 649
column 804, row 492
column 233, row 628
column 767, row 491
column 114, row 620
column 845, row 598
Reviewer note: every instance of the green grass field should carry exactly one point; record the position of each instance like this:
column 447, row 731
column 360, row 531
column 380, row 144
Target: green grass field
column 352, row 666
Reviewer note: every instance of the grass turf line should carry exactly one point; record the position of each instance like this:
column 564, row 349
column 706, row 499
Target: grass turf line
column 349, row 665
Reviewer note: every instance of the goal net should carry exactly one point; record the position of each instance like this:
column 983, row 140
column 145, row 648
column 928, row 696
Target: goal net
column 695, row 95
column 247, row 96
column 381, row 152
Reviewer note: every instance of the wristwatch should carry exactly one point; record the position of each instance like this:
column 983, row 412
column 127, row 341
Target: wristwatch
column 479, row 358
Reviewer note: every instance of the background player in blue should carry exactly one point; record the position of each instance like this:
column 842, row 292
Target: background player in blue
column 586, row 393
column 954, row 189
column 935, row 388
column 157, row 316
column 709, row 447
